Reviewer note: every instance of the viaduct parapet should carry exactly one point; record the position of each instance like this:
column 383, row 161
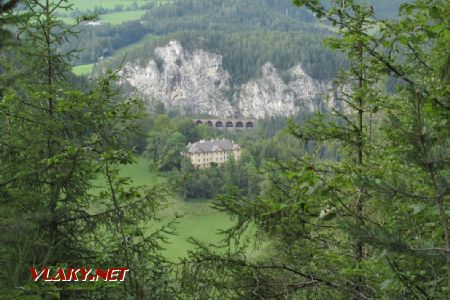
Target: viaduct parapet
column 228, row 123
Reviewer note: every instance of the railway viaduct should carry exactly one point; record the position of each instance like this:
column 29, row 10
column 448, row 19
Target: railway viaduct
column 228, row 123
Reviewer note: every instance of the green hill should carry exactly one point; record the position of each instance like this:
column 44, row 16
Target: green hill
column 247, row 33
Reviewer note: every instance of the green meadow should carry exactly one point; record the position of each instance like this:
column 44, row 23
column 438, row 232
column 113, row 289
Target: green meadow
column 131, row 10
column 85, row 5
column 198, row 219
column 116, row 18
column 83, row 69
column 113, row 18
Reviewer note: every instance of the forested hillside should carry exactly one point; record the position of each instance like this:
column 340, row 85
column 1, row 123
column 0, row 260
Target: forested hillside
column 105, row 194
column 247, row 33
column 224, row 27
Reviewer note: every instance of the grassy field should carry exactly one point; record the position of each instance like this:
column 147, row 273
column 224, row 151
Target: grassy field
column 83, row 69
column 121, row 17
column 199, row 219
column 84, row 5
column 114, row 18
column 132, row 9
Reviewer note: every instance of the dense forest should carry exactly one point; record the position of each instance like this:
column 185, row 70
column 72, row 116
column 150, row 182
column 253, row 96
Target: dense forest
column 168, row 137
column 231, row 28
column 234, row 29
column 348, row 203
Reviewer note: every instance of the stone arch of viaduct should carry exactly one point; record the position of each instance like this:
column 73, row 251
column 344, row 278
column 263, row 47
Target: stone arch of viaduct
column 228, row 124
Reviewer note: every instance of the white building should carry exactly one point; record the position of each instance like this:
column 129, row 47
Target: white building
column 203, row 153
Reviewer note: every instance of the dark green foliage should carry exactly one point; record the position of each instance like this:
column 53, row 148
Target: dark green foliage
column 352, row 204
column 246, row 33
column 102, row 41
column 230, row 16
column 210, row 182
column 6, row 18
column 245, row 52
column 62, row 199
column 373, row 224
column 168, row 138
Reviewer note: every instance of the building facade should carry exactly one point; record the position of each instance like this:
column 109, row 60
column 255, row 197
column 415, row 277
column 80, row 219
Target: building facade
column 204, row 153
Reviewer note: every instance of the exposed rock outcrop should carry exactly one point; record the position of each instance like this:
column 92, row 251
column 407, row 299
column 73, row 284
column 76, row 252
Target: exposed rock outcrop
column 195, row 82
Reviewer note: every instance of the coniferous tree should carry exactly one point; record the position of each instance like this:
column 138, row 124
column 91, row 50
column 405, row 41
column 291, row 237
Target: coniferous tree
column 63, row 200
column 374, row 223
column 6, row 19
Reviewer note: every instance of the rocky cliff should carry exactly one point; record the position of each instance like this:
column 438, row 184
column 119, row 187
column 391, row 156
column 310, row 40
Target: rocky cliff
column 195, row 82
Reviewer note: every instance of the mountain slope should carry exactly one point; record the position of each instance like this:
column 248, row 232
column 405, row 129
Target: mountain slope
column 195, row 82
column 263, row 49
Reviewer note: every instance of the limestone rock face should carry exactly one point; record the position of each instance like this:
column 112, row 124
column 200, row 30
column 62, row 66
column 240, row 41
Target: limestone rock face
column 195, row 82
column 272, row 95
